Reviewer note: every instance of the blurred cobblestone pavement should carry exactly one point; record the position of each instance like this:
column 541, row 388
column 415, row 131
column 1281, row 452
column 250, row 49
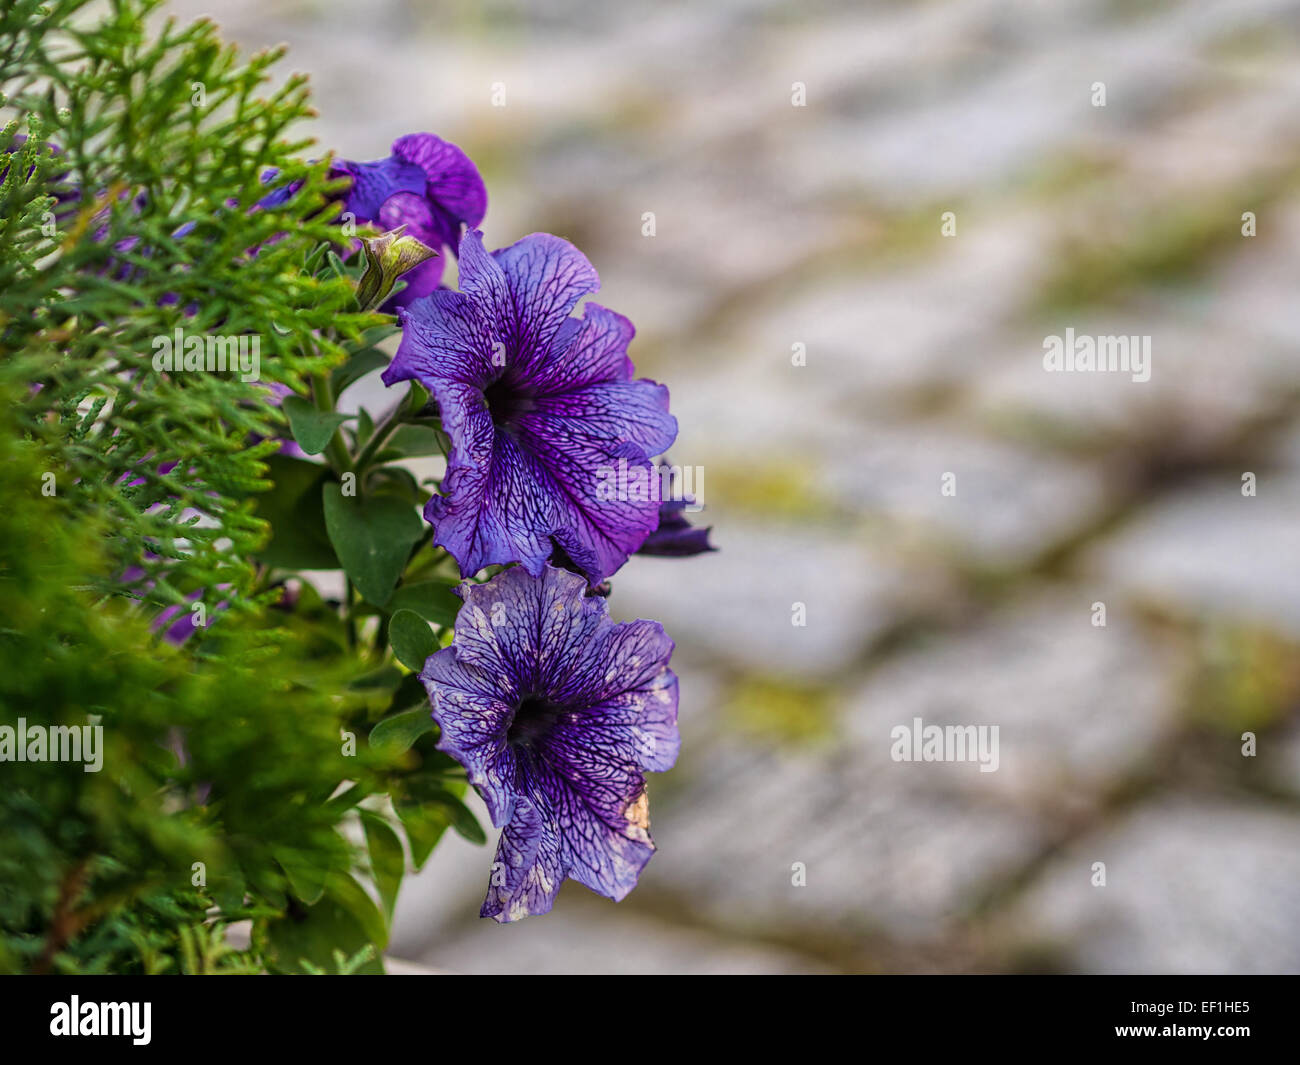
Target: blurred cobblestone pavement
column 779, row 225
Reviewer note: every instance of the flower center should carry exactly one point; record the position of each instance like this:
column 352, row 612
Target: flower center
column 533, row 720
column 506, row 402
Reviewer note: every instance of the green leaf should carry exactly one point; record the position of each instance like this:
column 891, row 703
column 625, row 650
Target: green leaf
column 387, row 859
column 411, row 639
column 386, row 676
column 313, row 260
column 312, row 429
column 424, row 828
column 373, row 539
column 410, row 695
column 336, row 264
column 413, row 441
column 425, row 824
column 339, row 921
column 306, row 877
column 365, row 427
column 377, row 334
column 352, row 896
column 436, row 801
column 417, row 398
column 396, row 734
column 397, row 481
column 293, row 509
column 365, row 361
column 341, row 803
column 434, row 600
column 462, row 819
column 228, row 891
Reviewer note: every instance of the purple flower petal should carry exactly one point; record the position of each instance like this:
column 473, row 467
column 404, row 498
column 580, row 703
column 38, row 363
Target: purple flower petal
column 675, row 537
column 426, row 184
column 556, row 712
column 452, row 180
column 587, row 351
column 444, row 339
column 529, row 288
column 540, row 409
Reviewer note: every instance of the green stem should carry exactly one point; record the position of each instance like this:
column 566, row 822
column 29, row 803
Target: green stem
column 349, row 619
column 383, row 431
column 323, row 395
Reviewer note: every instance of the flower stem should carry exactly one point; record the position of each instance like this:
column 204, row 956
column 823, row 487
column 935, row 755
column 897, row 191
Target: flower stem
column 323, row 395
column 383, row 431
column 349, row 620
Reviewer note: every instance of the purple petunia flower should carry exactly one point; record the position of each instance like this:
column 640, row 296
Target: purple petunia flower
column 556, row 711
column 427, row 184
column 676, row 537
column 547, row 426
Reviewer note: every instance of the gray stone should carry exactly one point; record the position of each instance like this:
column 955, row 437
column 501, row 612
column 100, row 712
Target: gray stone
column 593, row 936
column 1078, row 707
column 1212, row 552
column 737, row 605
column 1191, row 887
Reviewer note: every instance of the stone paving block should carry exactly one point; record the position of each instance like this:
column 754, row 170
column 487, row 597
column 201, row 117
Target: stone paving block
column 1209, row 552
column 1192, row 886
column 1205, row 383
column 1078, row 707
column 881, row 857
column 738, row 603
column 588, row 936
column 1010, row 503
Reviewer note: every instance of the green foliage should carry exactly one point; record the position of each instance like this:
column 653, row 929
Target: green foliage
column 412, row 639
column 373, row 538
column 83, row 299
column 262, row 770
column 312, row 429
column 220, row 759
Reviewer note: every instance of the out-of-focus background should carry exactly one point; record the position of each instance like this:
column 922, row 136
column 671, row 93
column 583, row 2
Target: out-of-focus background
column 778, row 225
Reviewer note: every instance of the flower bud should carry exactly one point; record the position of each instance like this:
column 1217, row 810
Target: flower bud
column 388, row 256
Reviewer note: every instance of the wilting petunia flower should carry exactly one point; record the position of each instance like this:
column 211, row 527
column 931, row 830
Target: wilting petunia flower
column 556, row 711
column 550, row 435
column 427, row 184
column 676, row 537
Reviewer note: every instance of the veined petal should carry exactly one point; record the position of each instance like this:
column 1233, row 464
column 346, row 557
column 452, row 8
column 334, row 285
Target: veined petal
column 586, row 351
column 527, row 289
column 375, row 182
column 595, row 704
column 472, row 708
column 611, row 415
column 598, row 813
column 592, row 446
column 546, row 276
column 443, row 339
column 453, row 180
column 528, row 870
